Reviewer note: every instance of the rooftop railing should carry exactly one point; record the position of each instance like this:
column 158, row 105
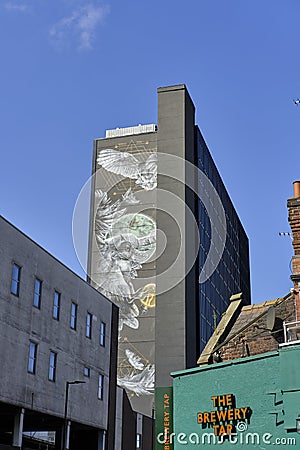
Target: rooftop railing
column 291, row 332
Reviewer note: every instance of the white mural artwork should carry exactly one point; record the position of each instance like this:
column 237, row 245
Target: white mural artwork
column 125, row 242
column 134, row 360
column 141, row 383
column 127, row 165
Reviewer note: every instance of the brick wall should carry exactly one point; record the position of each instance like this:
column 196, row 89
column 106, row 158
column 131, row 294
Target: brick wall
column 293, row 205
column 294, row 221
column 256, row 339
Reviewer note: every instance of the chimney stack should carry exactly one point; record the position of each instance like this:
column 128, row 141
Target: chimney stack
column 293, row 205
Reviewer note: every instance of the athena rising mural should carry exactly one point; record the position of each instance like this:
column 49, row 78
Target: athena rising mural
column 125, row 234
column 123, row 163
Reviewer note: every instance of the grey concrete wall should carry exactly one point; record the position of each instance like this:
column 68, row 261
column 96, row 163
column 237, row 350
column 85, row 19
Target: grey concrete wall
column 192, row 315
column 175, row 325
column 119, row 418
column 112, row 401
column 129, row 425
column 21, row 322
column 148, row 434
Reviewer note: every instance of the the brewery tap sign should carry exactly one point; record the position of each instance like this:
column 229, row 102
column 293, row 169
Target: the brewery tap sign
column 226, row 415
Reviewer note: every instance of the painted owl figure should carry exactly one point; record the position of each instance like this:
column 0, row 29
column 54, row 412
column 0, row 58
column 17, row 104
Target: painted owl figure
column 127, row 165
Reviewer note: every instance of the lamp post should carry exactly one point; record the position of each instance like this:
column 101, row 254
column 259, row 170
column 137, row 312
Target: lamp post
column 153, row 437
column 65, row 445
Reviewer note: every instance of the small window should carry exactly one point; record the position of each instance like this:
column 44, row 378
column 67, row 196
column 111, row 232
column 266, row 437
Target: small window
column 52, row 366
column 88, row 329
column 37, row 293
column 86, row 372
column 102, row 334
column 100, row 386
column 138, row 440
column 56, row 305
column 73, row 320
column 15, row 280
column 32, row 357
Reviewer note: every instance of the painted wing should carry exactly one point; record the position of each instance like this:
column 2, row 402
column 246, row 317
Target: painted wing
column 130, row 198
column 141, row 383
column 134, row 360
column 107, row 213
column 120, row 163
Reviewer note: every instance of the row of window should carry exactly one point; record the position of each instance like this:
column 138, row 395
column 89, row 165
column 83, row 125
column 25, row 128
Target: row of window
column 37, row 296
column 32, row 362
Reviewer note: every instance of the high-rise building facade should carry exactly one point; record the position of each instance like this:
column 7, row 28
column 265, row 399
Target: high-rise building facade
column 165, row 245
column 232, row 273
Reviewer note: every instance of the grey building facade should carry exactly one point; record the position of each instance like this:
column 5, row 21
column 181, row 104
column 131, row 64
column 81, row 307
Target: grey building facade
column 133, row 430
column 55, row 329
column 154, row 227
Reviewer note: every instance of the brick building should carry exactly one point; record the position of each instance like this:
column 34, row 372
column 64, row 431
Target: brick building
column 247, row 388
column 294, row 220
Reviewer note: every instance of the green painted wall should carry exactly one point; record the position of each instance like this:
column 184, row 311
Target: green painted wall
column 268, row 384
column 163, row 417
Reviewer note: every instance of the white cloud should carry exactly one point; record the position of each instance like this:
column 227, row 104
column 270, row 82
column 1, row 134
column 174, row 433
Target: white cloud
column 80, row 25
column 15, row 7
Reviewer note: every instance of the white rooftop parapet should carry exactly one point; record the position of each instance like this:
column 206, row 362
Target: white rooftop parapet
column 139, row 129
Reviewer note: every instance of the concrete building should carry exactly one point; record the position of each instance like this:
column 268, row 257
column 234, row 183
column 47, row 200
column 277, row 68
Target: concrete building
column 157, row 198
column 247, row 388
column 57, row 335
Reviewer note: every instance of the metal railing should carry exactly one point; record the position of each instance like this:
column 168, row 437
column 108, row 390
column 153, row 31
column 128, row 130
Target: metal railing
column 291, row 331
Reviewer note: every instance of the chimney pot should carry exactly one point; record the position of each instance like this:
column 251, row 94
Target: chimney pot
column 296, row 189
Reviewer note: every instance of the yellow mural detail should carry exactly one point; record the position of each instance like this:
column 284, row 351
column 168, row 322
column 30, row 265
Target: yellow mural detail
column 147, row 296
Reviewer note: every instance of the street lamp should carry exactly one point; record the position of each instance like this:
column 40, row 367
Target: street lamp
column 65, row 445
column 153, row 439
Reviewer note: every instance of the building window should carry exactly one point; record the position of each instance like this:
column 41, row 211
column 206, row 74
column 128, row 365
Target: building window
column 52, row 366
column 88, row 328
column 102, row 334
column 15, row 280
column 73, row 321
column 32, row 357
column 37, row 293
column 56, row 305
column 138, row 440
column 100, row 386
column 86, row 372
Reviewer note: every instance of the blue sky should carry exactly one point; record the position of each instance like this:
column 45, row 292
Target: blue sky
column 72, row 68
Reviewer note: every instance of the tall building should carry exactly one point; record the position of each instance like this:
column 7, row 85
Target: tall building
column 232, row 273
column 166, row 244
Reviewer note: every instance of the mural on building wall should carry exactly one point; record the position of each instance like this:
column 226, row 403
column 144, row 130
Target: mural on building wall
column 124, row 163
column 126, row 241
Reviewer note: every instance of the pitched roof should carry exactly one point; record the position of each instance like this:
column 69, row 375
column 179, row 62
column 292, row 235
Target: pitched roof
column 236, row 320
